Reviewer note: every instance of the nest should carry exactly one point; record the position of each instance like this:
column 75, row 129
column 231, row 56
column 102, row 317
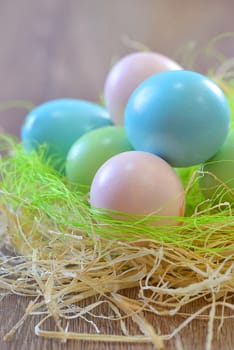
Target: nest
column 61, row 252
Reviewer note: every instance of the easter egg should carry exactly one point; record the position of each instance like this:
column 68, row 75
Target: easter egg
column 217, row 178
column 137, row 182
column 91, row 150
column 127, row 74
column 181, row 116
column 58, row 124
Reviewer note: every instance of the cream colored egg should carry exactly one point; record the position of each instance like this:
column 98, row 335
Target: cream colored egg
column 127, row 74
column 140, row 183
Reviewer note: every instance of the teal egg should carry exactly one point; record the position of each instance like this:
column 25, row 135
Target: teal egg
column 181, row 116
column 57, row 124
column 93, row 149
column 217, row 179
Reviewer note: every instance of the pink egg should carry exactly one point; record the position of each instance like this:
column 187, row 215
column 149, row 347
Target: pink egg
column 127, row 74
column 140, row 183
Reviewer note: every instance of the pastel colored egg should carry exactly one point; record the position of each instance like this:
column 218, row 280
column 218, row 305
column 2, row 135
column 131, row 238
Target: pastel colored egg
column 217, row 179
column 127, row 74
column 58, row 124
column 90, row 151
column 140, row 183
column 181, row 116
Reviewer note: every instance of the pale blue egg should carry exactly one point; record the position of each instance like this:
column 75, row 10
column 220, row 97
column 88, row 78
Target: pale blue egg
column 57, row 124
column 181, row 116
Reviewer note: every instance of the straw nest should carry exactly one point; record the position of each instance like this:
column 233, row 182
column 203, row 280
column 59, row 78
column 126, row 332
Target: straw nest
column 61, row 252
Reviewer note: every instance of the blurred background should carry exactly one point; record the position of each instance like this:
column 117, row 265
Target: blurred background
column 65, row 48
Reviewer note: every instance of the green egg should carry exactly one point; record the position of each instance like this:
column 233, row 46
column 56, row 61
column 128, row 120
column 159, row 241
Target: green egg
column 217, row 179
column 90, row 151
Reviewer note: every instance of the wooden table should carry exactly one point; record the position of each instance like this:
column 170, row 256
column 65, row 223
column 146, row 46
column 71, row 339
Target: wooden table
column 55, row 48
column 192, row 337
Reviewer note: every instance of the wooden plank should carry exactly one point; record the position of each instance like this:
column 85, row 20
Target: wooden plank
column 194, row 336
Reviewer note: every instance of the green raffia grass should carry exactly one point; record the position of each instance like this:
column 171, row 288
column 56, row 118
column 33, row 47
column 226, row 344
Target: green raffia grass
column 35, row 188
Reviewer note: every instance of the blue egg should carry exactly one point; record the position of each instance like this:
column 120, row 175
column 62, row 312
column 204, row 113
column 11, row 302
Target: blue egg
column 58, row 124
column 181, row 116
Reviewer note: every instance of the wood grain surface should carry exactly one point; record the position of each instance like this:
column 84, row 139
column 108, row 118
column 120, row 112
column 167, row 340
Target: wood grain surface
column 192, row 337
column 61, row 48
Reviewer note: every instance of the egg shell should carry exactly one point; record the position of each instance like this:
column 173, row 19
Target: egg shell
column 140, row 183
column 182, row 116
column 217, row 179
column 58, row 124
column 91, row 150
column 127, row 74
